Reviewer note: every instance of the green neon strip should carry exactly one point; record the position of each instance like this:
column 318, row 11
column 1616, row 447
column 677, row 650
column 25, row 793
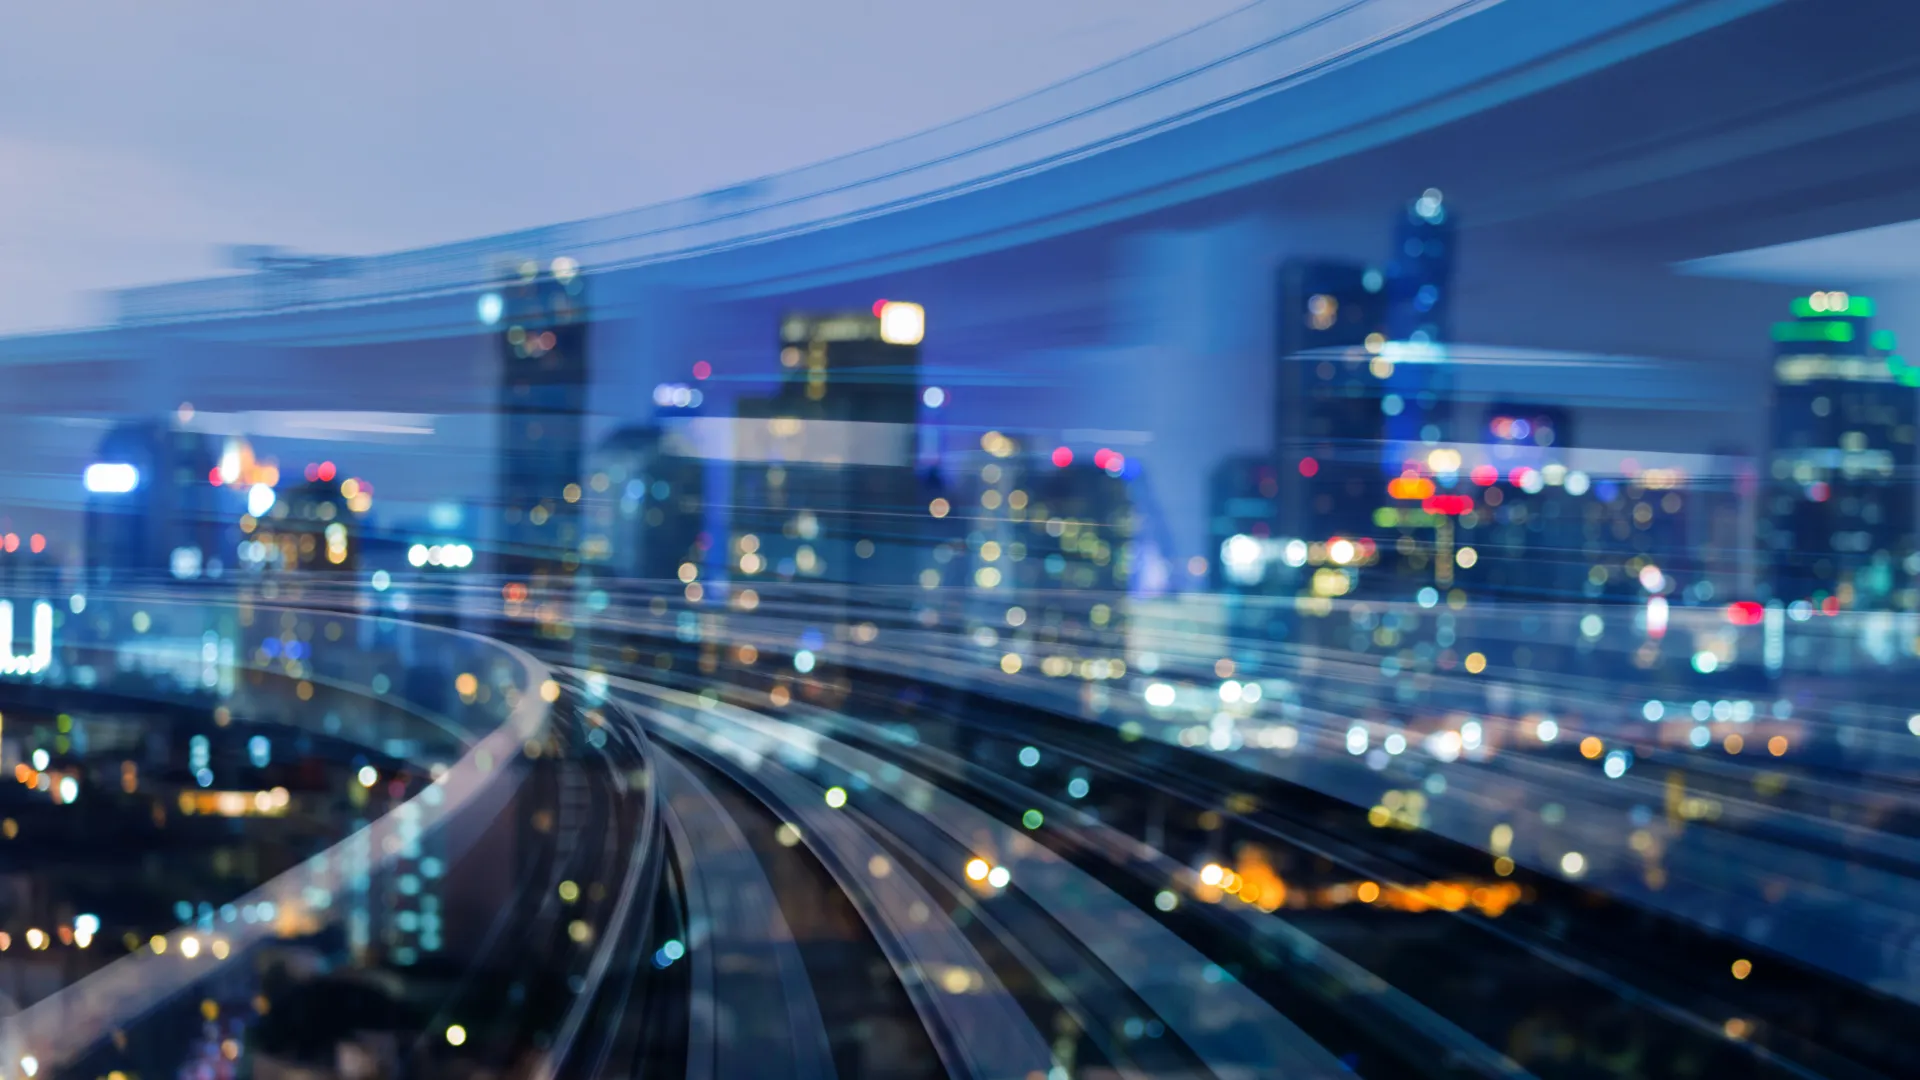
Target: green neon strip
column 1858, row 307
column 1884, row 340
column 1822, row 330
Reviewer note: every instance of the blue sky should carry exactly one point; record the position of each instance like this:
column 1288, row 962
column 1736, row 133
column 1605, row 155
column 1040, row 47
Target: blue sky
column 135, row 139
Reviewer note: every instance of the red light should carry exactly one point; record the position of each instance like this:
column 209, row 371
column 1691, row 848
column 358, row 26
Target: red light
column 313, row 472
column 1062, row 457
column 213, row 476
column 1485, row 475
column 514, row 592
column 877, row 305
column 1818, row 491
column 12, row 542
column 702, row 369
column 1517, row 476
column 1829, row 606
column 38, row 543
column 1116, row 461
column 1447, row 504
column 1308, row 466
column 326, row 470
column 1101, row 457
column 1745, row 613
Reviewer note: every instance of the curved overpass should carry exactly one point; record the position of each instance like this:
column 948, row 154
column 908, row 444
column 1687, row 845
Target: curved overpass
column 1266, row 90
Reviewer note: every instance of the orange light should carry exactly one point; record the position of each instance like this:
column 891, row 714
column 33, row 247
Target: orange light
column 1410, row 487
column 514, row 591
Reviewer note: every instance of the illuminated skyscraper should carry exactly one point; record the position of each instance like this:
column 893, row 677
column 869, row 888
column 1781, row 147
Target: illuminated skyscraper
column 151, row 506
column 1051, row 543
column 1330, row 421
column 1839, row 519
column 313, row 526
column 825, row 489
column 1419, row 295
column 543, row 323
column 645, row 506
column 1243, row 503
column 1363, row 381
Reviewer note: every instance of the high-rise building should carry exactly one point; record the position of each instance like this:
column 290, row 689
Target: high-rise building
column 1839, row 514
column 1243, row 502
column 825, row 487
column 543, row 397
column 152, row 510
column 1050, row 540
column 313, row 526
column 1330, row 422
column 1419, row 302
column 1364, row 383
column 645, row 507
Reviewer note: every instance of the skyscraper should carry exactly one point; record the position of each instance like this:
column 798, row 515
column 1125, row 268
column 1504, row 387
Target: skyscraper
column 645, row 506
column 543, row 390
column 1419, row 303
column 1839, row 518
column 825, row 488
column 1051, row 540
column 1330, row 423
column 1364, row 386
column 151, row 505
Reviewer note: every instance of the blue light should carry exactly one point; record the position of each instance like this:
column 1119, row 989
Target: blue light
column 490, row 308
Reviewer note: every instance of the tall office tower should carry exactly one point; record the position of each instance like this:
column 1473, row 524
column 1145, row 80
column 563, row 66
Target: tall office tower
column 1419, row 301
column 1050, row 542
column 1839, row 518
column 151, row 507
column 543, row 397
column 645, row 507
column 316, row 525
column 1332, row 394
column 824, row 485
column 1243, row 504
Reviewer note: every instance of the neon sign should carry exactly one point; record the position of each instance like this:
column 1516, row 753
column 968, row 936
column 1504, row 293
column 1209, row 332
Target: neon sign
column 36, row 661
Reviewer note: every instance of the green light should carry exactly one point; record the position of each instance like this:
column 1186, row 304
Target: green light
column 1884, row 340
column 1032, row 819
column 1909, row 376
column 1821, row 330
column 1858, row 307
column 1387, row 517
